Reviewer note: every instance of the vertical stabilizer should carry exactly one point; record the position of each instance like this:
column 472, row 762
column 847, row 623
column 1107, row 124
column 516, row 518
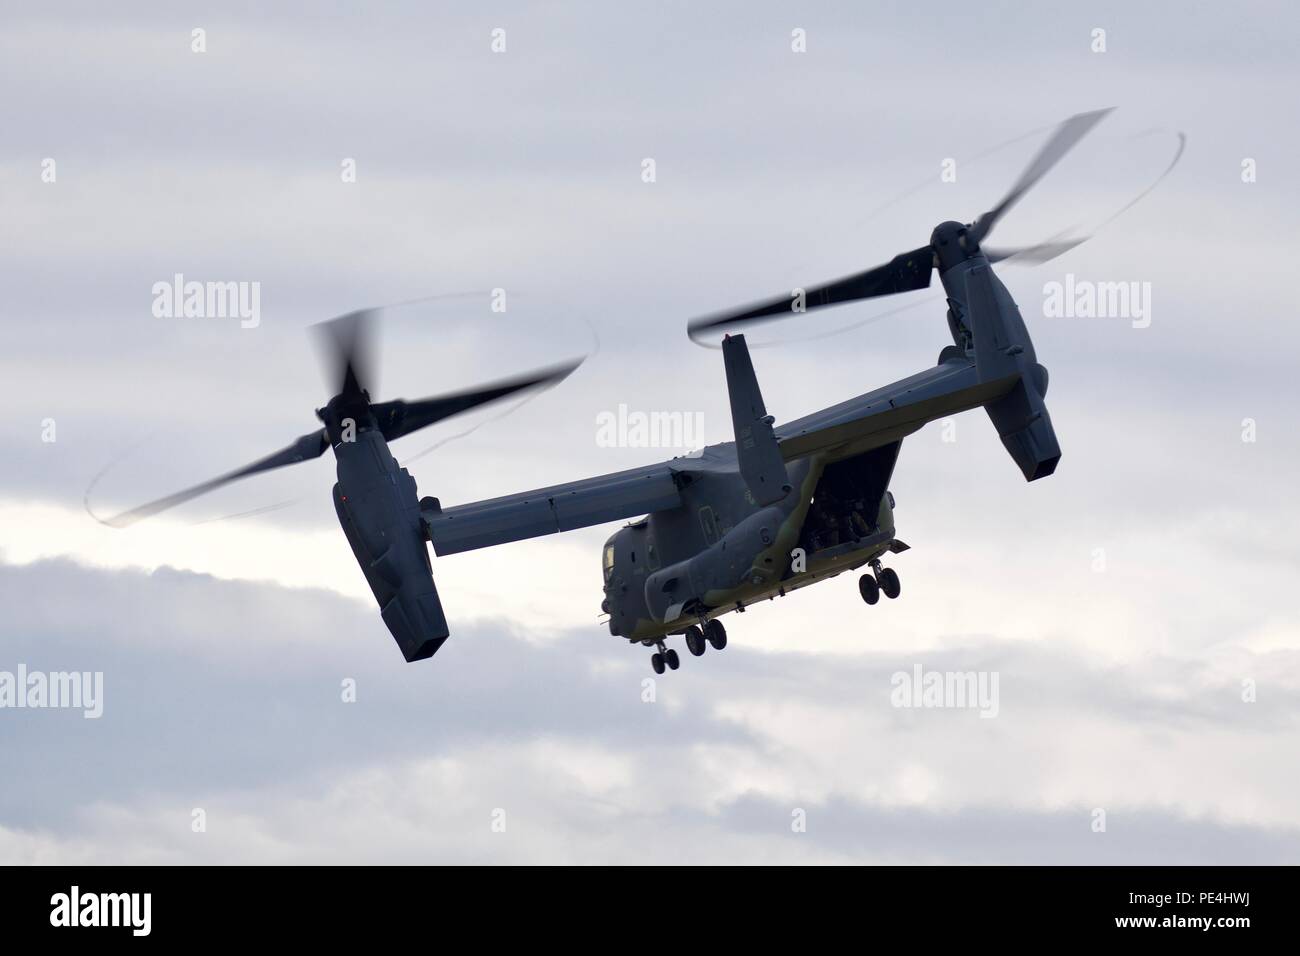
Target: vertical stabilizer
column 761, row 464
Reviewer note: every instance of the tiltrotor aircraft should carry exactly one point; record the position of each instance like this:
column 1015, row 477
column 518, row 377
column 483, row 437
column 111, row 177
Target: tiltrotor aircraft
column 781, row 507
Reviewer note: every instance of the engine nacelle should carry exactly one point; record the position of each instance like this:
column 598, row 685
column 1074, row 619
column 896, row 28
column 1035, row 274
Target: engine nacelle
column 1025, row 427
column 983, row 312
column 379, row 510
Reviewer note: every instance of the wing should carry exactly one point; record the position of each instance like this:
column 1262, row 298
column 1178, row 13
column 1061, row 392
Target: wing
column 877, row 418
column 528, row 514
column 891, row 413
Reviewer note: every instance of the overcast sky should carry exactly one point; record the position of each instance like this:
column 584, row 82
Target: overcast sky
column 1125, row 603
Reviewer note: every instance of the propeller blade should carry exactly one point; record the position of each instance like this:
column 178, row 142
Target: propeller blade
column 903, row 273
column 304, row 449
column 398, row 418
column 346, row 342
column 1035, row 255
column 1063, row 140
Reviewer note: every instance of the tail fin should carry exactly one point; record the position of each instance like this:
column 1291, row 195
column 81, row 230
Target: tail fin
column 761, row 463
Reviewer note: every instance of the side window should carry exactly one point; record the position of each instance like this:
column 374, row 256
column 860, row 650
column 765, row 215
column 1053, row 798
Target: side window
column 709, row 523
column 652, row 557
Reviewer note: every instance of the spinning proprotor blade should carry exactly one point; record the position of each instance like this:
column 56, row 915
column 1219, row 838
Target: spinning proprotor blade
column 912, row 270
column 375, row 498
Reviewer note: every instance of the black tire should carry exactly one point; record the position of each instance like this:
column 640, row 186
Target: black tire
column 890, row 584
column 671, row 659
column 716, row 634
column 657, row 662
column 695, row 642
column 869, row 589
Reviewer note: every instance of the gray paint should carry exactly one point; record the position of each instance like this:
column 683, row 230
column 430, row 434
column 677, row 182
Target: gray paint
column 699, row 574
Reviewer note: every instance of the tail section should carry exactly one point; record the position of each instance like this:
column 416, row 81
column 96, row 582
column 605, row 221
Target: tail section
column 757, row 450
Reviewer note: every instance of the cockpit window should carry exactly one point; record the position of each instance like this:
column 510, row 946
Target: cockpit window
column 609, row 563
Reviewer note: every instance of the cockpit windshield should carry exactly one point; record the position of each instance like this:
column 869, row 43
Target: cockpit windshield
column 609, row 562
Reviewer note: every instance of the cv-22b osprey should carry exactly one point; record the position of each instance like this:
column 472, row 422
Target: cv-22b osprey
column 780, row 507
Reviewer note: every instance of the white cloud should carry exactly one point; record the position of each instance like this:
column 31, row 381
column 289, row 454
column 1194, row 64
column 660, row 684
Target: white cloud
column 224, row 643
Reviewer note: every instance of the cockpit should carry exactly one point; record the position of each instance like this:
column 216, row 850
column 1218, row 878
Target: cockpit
column 609, row 560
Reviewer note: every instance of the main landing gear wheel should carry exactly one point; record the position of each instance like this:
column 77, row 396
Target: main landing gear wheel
column 716, row 634
column 671, row 659
column 657, row 662
column 695, row 641
column 869, row 589
column 889, row 583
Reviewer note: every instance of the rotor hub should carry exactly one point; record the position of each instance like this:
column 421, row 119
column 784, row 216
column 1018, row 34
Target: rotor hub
column 953, row 242
column 343, row 409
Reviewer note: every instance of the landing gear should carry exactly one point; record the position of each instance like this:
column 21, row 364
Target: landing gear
column 889, row 583
column 664, row 657
column 869, row 589
column 698, row 638
column 882, row 579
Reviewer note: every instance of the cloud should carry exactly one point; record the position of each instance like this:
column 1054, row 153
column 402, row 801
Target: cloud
column 226, row 696
column 1123, row 602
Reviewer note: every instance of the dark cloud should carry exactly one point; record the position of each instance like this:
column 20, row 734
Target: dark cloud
column 217, row 692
